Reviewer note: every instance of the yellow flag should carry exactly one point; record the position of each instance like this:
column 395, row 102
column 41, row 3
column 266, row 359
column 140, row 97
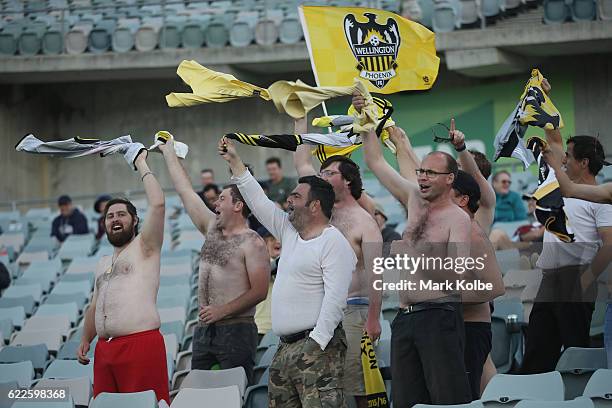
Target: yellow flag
column 376, row 394
column 389, row 52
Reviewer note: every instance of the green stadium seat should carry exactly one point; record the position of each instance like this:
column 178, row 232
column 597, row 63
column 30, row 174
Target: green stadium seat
column 555, row 11
column 8, row 40
column 30, row 41
column 52, row 42
column 584, row 10
column 170, row 36
column 193, row 34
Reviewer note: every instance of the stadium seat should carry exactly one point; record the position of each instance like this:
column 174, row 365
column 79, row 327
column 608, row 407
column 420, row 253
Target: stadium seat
column 266, row 358
column 26, row 257
column 30, row 41
column 6, row 330
column 470, row 14
column 82, row 265
column 584, row 10
column 599, row 388
column 555, row 11
column 183, row 361
column 172, row 345
column 504, row 389
column 65, row 288
column 16, row 314
column 63, row 369
column 211, row 379
column 8, row 39
column 266, row 32
column 256, row 396
column 51, row 338
column 511, row 6
column 69, row 349
column 146, row 37
column 444, row 17
column 27, row 302
column 605, row 9
column 473, row 404
column 76, row 39
column 53, row 41
column 76, row 298
column 577, row 403
column 70, row 310
column 172, row 314
column 80, row 388
column 269, row 339
column 144, row 399
column 61, row 323
column 22, row 373
column 227, row 397
column 576, row 366
column 515, row 282
column 290, row 30
column 173, row 327
column 383, row 351
column 598, row 319
column 37, row 354
column 123, row 39
column 5, row 387
column 170, row 36
column 491, row 9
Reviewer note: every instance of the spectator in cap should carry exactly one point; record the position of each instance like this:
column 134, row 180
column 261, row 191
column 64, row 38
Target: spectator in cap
column 99, row 207
column 388, row 232
column 70, row 221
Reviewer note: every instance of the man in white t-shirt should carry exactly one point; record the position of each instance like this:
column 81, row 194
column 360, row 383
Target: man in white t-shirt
column 561, row 316
column 310, row 290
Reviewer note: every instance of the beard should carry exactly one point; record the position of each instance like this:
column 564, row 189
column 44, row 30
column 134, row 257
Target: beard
column 119, row 239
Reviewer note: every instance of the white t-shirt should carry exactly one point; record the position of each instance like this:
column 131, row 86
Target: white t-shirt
column 313, row 276
column 584, row 218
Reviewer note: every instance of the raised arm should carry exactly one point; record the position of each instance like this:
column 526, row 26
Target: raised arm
column 407, row 159
column 199, row 213
column 553, row 155
column 302, row 159
column 371, row 247
column 152, row 235
column 265, row 210
column 398, row 186
column 257, row 264
column 486, row 210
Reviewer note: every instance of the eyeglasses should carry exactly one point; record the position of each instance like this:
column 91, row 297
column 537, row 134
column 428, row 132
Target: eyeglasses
column 439, row 139
column 429, row 173
column 328, row 173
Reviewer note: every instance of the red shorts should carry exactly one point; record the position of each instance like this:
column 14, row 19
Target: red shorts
column 132, row 363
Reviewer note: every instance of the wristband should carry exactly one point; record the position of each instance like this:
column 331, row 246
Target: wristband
column 145, row 175
column 460, row 149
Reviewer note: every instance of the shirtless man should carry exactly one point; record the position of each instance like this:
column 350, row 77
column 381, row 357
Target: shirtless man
column 361, row 230
column 130, row 355
column 470, row 189
column 427, row 335
column 234, row 275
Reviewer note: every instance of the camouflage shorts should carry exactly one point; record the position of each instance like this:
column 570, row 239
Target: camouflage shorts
column 303, row 375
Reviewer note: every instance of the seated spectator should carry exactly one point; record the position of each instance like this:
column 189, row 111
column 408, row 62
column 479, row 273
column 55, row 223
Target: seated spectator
column 278, row 187
column 531, row 232
column 508, row 204
column 99, row 207
column 70, row 221
column 388, row 232
column 209, row 195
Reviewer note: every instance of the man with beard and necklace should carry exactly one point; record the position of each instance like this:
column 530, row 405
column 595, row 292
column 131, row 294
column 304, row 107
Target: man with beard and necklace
column 470, row 188
column 233, row 277
column 428, row 331
column 130, row 355
column 309, row 293
column 361, row 230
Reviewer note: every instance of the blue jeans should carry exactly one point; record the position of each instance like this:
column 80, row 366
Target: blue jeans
column 608, row 334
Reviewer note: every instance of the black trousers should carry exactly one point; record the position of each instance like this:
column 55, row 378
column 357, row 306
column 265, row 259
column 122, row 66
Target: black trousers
column 427, row 358
column 478, row 338
column 553, row 325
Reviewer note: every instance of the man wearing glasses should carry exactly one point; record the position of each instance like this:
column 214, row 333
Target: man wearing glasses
column 428, row 332
column 508, row 205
